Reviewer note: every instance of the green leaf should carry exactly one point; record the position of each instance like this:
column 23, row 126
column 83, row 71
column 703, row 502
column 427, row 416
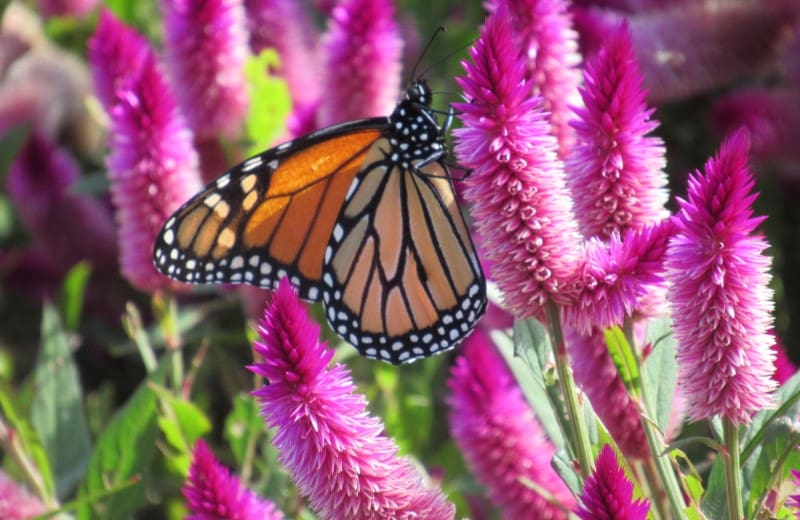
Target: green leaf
column 660, row 371
column 562, row 464
column 715, row 502
column 777, row 456
column 624, row 359
column 269, row 101
column 28, row 438
column 72, row 294
column 788, row 398
column 529, row 375
column 182, row 423
column 123, row 453
column 243, row 427
column 57, row 407
column 10, row 144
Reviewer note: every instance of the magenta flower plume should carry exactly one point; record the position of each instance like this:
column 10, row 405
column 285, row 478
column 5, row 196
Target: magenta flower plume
column 153, row 167
column 116, row 54
column 616, row 172
column 206, row 44
column 77, row 8
column 285, row 26
column 784, row 366
column 520, row 202
column 336, row 453
column 608, row 494
column 363, row 51
column 214, row 493
column 617, row 275
column 499, row 436
column 794, row 500
column 16, row 503
column 598, row 378
column 70, row 227
column 543, row 32
column 719, row 291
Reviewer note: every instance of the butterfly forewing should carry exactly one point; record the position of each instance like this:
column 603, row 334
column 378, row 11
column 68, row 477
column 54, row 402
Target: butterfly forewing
column 270, row 216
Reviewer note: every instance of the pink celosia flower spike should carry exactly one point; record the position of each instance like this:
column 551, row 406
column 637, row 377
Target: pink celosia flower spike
column 336, row 453
column 543, row 31
column 616, row 172
column 152, row 164
column 519, row 198
column 362, row 64
column 206, row 44
column 15, row 501
column 214, row 493
column 608, row 494
column 719, row 291
column 499, row 436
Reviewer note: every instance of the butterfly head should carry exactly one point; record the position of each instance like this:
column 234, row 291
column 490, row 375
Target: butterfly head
column 414, row 131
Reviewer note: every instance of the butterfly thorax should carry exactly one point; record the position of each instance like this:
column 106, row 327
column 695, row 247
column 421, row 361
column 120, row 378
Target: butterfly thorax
column 414, row 132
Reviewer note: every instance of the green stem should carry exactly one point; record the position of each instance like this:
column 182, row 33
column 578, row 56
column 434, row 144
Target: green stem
column 733, row 470
column 579, row 441
column 11, row 444
column 669, row 481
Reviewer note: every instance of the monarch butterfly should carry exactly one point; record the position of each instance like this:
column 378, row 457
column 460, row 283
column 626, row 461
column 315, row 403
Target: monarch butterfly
column 360, row 215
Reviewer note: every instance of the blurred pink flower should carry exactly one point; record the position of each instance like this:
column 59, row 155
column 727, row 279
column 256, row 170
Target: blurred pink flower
column 616, row 173
column 544, row 38
column 496, row 431
column 362, row 63
column 213, row 493
column 784, row 367
column 16, row 503
column 152, row 165
column 719, row 291
column 77, row 8
column 520, row 202
column 689, row 47
column 206, row 47
column 335, row 452
column 608, row 494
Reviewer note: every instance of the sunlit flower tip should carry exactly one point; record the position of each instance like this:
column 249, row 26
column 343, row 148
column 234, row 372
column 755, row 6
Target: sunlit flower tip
column 77, row 8
column 543, row 31
column 214, row 493
column 116, row 52
column 598, row 378
column 206, row 46
column 495, row 429
column 363, row 52
column 16, row 503
column 284, row 25
column 335, row 452
column 608, row 494
column 617, row 275
column 719, row 291
column 71, row 226
column 616, row 172
column 520, row 202
column 153, row 169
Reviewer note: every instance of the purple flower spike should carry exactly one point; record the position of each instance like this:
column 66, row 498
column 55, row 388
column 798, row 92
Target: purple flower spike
column 499, row 436
column 336, row 453
column 519, row 198
column 616, row 172
column 16, row 503
column 214, row 493
column 543, row 29
column 116, row 54
column 206, row 44
column 617, row 275
column 363, row 49
column 608, row 494
column 719, row 291
column 153, row 167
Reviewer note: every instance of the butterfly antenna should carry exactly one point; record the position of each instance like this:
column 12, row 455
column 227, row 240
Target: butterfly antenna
column 448, row 56
column 438, row 30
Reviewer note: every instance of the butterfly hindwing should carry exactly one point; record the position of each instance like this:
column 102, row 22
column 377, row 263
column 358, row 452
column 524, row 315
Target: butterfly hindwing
column 270, row 216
